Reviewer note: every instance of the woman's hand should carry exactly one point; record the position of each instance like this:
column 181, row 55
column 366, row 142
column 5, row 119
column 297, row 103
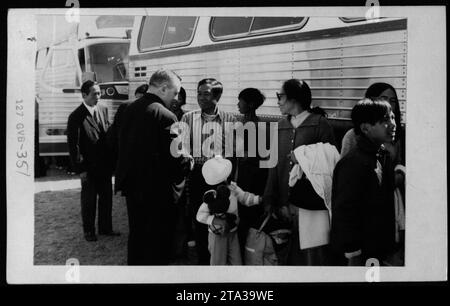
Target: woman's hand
column 293, row 158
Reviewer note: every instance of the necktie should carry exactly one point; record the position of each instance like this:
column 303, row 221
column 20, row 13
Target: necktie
column 97, row 119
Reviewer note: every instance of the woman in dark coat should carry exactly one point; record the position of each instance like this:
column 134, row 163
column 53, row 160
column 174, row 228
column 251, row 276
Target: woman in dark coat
column 301, row 126
column 250, row 176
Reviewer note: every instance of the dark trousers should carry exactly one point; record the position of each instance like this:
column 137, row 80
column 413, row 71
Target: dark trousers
column 197, row 187
column 151, row 229
column 181, row 230
column 94, row 185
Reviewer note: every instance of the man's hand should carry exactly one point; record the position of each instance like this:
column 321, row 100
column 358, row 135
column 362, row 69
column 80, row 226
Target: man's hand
column 188, row 164
column 83, row 175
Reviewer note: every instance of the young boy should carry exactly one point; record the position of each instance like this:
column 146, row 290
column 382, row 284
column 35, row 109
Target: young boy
column 219, row 211
column 363, row 217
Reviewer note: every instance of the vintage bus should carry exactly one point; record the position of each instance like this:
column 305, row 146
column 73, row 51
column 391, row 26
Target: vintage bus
column 338, row 57
column 98, row 50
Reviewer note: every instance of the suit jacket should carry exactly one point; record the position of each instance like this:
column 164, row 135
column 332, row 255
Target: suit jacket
column 87, row 141
column 145, row 163
column 112, row 135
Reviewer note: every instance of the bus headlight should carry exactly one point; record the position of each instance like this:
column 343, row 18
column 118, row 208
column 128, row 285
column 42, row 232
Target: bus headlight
column 110, row 91
column 122, row 89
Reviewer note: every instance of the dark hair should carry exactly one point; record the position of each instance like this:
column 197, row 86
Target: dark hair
column 253, row 97
column 141, row 89
column 182, row 96
column 216, row 87
column 162, row 77
column 375, row 90
column 369, row 111
column 300, row 92
column 86, row 87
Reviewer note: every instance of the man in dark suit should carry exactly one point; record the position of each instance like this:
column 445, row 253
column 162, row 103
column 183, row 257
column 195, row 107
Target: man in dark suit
column 86, row 137
column 148, row 173
column 112, row 135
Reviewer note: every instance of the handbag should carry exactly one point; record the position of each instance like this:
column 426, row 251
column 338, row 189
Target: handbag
column 303, row 195
column 259, row 249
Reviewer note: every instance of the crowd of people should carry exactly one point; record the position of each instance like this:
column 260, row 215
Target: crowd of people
column 317, row 205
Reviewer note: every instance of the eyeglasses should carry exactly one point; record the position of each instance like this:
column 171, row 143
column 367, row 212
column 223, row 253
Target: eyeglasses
column 279, row 95
column 390, row 99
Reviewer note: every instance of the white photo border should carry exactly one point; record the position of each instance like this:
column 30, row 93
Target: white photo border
column 426, row 188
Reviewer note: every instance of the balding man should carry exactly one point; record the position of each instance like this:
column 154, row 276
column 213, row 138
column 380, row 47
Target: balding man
column 147, row 173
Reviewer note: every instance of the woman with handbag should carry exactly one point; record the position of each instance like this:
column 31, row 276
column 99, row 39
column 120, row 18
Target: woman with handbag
column 303, row 125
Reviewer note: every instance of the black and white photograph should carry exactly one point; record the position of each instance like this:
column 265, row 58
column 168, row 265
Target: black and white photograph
column 229, row 145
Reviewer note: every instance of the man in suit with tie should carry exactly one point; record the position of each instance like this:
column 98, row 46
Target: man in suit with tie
column 86, row 137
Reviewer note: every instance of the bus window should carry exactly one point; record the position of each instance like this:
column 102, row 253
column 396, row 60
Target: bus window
column 61, row 71
column 159, row 32
column 151, row 32
column 178, row 30
column 109, row 61
column 233, row 27
column 225, row 26
column 262, row 23
column 62, row 58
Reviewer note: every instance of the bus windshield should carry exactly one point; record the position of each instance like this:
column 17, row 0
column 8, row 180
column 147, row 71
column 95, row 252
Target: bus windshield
column 109, row 61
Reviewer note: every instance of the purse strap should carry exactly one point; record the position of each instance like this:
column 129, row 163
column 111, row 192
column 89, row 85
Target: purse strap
column 264, row 223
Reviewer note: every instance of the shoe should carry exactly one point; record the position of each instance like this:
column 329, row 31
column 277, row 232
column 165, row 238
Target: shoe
column 110, row 233
column 90, row 237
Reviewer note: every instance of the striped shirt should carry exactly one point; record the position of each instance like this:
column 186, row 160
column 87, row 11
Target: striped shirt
column 201, row 126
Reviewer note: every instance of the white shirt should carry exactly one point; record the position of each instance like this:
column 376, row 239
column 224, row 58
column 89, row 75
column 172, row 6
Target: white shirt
column 91, row 109
column 297, row 120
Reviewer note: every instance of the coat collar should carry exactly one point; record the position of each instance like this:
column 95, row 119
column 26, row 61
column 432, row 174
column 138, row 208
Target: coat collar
column 91, row 109
column 90, row 118
column 366, row 145
column 152, row 98
column 311, row 120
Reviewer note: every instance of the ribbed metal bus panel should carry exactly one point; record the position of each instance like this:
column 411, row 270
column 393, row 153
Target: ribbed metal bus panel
column 338, row 69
